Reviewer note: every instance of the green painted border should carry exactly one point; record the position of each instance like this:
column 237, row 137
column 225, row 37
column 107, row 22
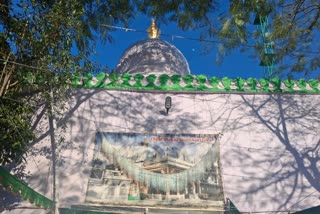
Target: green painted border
column 10, row 182
column 80, row 211
column 165, row 82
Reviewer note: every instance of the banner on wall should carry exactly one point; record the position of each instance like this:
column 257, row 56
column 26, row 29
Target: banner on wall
column 148, row 169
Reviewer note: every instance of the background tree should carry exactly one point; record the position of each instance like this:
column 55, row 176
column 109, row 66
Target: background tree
column 293, row 27
column 293, row 30
column 48, row 40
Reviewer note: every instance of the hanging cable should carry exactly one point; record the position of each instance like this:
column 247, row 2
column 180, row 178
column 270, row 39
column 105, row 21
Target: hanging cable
column 303, row 199
column 200, row 40
column 182, row 37
column 175, row 36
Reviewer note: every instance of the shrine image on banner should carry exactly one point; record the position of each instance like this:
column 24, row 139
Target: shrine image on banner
column 148, row 169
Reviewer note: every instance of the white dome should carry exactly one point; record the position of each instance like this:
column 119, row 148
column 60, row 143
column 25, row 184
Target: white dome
column 153, row 56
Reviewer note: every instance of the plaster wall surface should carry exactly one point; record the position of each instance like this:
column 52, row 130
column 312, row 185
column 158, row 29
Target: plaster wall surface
column 269, row 151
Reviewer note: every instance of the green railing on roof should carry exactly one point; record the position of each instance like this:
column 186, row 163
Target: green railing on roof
column 188, row 83
column 8, row 181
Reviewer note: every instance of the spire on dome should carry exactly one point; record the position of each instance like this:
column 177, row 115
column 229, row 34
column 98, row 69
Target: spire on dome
column 153, row 30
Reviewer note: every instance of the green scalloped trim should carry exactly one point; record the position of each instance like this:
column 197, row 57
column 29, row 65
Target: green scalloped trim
column 13, row 184
column 302, row 84
column 184, row 83
column 100, row 79
column 163, row 79
column 113, row 77
column 240, row 83
column 264, row 84
column 214, row 81
column 175, row 79
column 138, row 78
column 188, row 79
column 151, row 78
column 276, row 82
column 201, row 80
column 314, row 84
column 126, row 77
column 76, row 80
column 252, row 83
column 289, row 83
column 87, row 81
column 226, row 82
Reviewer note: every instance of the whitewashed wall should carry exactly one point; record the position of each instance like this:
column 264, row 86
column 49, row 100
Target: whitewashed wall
column 270, row 149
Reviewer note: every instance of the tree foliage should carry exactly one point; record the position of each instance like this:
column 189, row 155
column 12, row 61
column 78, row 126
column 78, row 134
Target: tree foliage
column 15, row 126
column 187, row 14
column 48, row 40
column 292, row 26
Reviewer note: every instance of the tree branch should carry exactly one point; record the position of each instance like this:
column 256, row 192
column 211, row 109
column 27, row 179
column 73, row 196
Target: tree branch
column 5, row 75
column 314, row 21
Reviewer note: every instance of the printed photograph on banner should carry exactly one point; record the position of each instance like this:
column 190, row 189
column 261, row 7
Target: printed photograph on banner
column 148, row 169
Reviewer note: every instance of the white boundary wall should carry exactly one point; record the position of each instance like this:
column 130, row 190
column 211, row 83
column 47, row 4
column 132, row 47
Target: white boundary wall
column 270, row 147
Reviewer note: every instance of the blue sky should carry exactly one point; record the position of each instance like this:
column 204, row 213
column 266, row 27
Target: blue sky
column 235, row 65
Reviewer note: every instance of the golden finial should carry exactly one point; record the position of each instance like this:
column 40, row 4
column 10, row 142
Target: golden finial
column 153, row 30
